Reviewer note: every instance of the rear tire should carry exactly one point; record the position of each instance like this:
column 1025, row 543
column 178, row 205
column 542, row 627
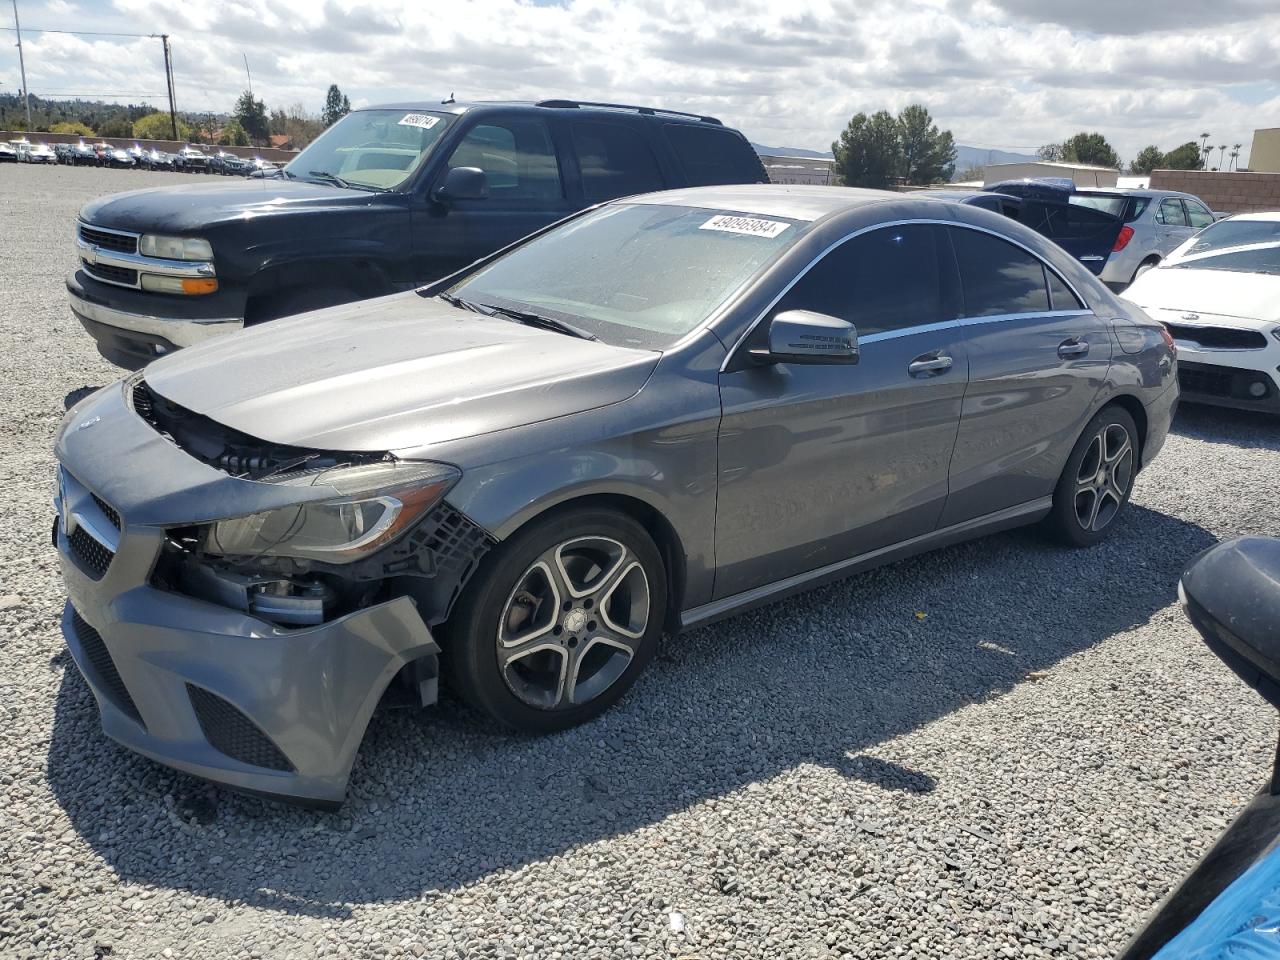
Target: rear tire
column 559, row 621
column 1097, row 481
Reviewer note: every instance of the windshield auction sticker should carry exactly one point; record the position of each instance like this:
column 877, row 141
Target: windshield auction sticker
column 423, row 120
column 727, row 223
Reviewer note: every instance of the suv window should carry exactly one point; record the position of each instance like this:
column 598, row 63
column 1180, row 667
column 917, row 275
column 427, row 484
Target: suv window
column 713, row 155
column 1171, row 213
column 517, row 157
column 997, row 277
column 615, row 161
column 883, row 280
column 1198, row 214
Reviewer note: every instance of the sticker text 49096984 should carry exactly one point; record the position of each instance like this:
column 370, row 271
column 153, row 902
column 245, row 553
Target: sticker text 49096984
column 752, row 226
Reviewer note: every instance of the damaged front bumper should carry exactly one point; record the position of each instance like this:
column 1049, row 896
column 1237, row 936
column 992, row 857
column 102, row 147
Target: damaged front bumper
column 197, row 685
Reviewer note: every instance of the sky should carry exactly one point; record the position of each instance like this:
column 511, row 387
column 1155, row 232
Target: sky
column 1009, row 74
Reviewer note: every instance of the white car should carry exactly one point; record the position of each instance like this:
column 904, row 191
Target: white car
column 1219, row 296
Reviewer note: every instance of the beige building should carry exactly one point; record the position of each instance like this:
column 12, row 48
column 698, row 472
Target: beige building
column 1082, row 174
column 812, row 170
column 1264, row 155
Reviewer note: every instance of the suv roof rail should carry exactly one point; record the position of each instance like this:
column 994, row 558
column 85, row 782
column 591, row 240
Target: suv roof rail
column 647, row 111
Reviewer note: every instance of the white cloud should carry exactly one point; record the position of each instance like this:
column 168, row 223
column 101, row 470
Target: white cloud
column 1010, row 73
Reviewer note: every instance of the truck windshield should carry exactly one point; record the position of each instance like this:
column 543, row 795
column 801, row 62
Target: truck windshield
column 372, row 149
column 638, row 275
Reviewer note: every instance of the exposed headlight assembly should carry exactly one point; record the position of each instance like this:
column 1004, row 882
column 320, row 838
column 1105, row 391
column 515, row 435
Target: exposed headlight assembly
column 174, row 248
column 378, row 502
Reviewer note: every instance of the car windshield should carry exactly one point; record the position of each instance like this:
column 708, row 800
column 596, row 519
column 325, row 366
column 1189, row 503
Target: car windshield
column 373, row 149
column 639, row 275
column 1233, row 233
column 1252, row 258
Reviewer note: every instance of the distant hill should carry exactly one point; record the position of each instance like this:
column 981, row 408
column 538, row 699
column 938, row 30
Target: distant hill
column 791, row 152
column 980, row 156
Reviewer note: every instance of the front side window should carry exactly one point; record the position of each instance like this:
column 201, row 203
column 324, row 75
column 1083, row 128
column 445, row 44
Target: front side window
column 639, row 275
column 371, row 149
column 997, row 277
column 884, row 280
column 614, row 160
column 517, row 157
column 1198, row 214
column 1171, row 213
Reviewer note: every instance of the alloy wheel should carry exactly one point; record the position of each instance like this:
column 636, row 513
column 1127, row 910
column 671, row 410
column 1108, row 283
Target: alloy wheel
column 1103, row 477
column 573, row 623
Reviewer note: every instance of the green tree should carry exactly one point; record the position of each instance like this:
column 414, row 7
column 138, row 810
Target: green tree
column 157, row 126
column 928, row 155
column 116, row 126
column 252, row 116
column 1050, row 152
column 72, row 126
column 336, row 106
column 233, row 135
column 869, row 151
column 1148, row 159
column 1090, row 148
column 970, row 174
column 1185, row 157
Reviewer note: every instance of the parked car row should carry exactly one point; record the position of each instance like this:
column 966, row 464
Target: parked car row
column 628, row 388
column 189, row 159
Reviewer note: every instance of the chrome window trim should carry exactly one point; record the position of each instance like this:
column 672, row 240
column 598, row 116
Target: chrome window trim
column 922, row 328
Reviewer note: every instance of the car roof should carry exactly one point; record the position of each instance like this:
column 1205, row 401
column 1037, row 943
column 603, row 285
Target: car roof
column 459, row 107
column 1262, row 215
column 793, row 201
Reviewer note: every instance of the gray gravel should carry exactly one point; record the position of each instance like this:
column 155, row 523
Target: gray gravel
column 1022, row 771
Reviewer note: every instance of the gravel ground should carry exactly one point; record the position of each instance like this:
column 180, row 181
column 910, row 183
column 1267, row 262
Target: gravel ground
column 1021, row 772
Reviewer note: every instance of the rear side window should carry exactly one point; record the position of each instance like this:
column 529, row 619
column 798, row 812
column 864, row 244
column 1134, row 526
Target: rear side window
column 1060, row 295
column 712, row 155
column 997, row 277
column 1136, row 208
column 883, row 280
column 615, row 161
column 1171, row 214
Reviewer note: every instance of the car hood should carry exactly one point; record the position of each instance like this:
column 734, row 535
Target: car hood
column 1247, row 296
column 396, row 373
column 194, row 208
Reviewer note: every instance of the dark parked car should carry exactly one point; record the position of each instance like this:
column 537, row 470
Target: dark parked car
column 663, row 411
column 84, row 154
column 229, row 164
column 64, row 153
column 384, row 200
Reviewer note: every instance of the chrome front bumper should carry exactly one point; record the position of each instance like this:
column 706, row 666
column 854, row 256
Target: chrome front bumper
column 181, row 332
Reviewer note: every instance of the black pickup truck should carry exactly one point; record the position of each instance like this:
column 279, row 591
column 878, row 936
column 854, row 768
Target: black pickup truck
column 386, row 199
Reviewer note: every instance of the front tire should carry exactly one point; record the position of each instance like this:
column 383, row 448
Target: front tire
column 559, row 621
column 1097, row 481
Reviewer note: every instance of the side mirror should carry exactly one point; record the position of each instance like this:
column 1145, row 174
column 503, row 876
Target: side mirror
column 462, row 183
column 1231, row 594
column 802, row 336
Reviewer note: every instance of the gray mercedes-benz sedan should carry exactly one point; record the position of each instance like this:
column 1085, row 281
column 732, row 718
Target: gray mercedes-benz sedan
column 656, row 413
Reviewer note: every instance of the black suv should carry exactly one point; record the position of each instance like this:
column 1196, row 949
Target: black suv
column 386, row 199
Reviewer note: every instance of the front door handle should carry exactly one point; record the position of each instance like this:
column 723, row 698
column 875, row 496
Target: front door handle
column 1074, row 347
column 930, row 364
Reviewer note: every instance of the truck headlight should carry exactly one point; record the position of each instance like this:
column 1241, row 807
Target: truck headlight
column 174, row 248
column 378, row 502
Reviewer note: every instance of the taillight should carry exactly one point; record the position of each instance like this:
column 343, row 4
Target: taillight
column 1122, row 241
column 1166, row 336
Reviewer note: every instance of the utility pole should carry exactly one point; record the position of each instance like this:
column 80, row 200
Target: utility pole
column 247, row 75
column 22, row 65
column 168, row 76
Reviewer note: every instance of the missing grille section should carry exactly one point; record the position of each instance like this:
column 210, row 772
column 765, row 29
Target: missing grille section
column 230, row 450
column 108, row 677
column 108, row 511
column 230, row 732
column 92, row 556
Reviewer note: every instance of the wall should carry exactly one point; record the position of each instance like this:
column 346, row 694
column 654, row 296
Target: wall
column 1082, row 175
column 1264, row 155
column 1224, row 192
column 168, row 146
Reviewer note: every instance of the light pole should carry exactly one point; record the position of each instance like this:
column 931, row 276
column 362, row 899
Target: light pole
column 22, row 64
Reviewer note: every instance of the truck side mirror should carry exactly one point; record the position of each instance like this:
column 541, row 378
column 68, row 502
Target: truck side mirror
column 806, row 337
column 462, row 183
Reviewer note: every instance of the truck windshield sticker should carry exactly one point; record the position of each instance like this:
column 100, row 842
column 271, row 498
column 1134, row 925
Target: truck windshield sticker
column 423, row 120
column 727, row 223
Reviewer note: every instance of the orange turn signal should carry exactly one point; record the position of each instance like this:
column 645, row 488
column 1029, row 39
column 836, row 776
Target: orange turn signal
column 199, row 285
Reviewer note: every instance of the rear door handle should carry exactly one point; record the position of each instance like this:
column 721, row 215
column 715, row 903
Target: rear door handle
column 931, row 365
column 1075, row 347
